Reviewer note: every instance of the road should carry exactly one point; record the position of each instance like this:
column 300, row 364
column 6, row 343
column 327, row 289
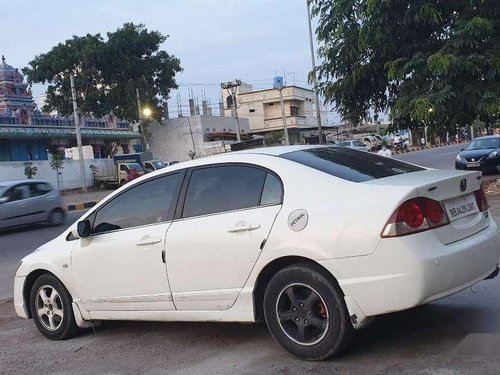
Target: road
column 457, row 335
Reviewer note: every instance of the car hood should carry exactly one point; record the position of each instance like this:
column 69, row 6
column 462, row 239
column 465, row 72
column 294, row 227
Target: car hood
column 477, row 153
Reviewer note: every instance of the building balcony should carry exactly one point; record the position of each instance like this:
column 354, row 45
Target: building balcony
column 291, row 122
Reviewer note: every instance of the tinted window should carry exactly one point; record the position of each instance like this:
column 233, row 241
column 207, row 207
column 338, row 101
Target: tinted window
column 17, row 193
column 225, row 188
column 39, row 188
column 358, row 144
column 147, row 203
column 348, row 164
column 485, row 143
column 272, row 193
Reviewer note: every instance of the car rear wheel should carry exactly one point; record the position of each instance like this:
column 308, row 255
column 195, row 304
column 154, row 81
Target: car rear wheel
column 51, row 308
column 306, row 314
column 56, row 217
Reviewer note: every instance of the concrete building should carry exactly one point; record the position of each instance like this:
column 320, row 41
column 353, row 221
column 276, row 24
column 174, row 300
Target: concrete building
column 262, row 108
column 27, row 134
column 184, row 138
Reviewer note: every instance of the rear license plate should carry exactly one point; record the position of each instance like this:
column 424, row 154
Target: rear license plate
column 473, row 164
column 461, row 207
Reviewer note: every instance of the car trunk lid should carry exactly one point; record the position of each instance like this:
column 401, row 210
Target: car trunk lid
column 454, row 190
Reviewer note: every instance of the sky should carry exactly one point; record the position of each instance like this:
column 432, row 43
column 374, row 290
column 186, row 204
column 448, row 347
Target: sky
column 216, row 40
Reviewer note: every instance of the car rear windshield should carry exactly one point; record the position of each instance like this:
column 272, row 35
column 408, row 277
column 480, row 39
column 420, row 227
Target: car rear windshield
column 351, row 165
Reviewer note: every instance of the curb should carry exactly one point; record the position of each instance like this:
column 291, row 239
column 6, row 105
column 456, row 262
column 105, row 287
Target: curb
column 422, row 148
column 80, row 206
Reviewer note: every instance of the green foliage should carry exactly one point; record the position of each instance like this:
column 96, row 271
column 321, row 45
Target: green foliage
column 29, row 170
column 56, row 162
column 107, row 72
column 426, row 61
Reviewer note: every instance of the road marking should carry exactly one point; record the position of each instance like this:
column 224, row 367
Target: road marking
column 448, row 153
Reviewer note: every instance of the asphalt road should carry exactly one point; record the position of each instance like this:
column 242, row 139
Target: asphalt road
column 457, row 335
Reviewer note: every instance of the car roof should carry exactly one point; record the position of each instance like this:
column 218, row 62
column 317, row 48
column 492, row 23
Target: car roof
column 276, row 150
column 15, row 182
column 486, row 137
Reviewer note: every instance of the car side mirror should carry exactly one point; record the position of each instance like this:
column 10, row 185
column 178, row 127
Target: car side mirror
column 4, row 200
column 84, row 228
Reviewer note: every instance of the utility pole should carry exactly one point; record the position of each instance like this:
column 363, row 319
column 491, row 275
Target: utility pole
column 78, row 135
column 231, row 89
column 278, row 84
column 141, row 125
column 315, row 83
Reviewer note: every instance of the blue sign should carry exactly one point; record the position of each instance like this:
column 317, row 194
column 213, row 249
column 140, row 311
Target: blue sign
column 278, row 82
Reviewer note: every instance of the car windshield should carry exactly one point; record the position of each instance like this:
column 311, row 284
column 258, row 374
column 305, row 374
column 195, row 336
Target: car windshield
column 2, row 189
column 351, row 165
column 357, row 144
column 158, row 164
column 135, row 166
column 479, row 144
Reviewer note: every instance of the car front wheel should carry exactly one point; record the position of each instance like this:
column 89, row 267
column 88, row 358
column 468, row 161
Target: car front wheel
column 306, row 314
column 51, row 308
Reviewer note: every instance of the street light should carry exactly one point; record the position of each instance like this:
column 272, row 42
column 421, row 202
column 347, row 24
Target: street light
column 147, row 112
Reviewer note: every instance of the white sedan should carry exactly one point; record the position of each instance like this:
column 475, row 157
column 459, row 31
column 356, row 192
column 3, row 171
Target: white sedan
column 315, row 241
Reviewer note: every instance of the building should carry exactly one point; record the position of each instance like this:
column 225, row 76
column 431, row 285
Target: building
column 27, row 134
column 262, row 108
column 184, row 138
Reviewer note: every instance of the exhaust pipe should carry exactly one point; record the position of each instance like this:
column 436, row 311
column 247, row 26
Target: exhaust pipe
column 493, row 274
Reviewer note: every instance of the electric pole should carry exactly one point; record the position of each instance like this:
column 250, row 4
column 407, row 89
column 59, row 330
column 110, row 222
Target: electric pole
column 231, row 89
column 315, row 83
column 141, row 125
column 78, row 135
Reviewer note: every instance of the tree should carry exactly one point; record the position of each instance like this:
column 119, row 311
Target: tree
column 430, row 62
column 29, row 170
column 56, row 163
column 108, row 72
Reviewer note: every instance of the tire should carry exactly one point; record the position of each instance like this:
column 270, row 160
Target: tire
column 51, row 308
column 122, row 182
column 56, row 217
column 326, row 327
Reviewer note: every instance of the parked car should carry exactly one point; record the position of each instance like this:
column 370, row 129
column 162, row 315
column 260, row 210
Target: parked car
column 481, row 154
column 280, row 235
column 371, row 142
column 26, row 202
column 355, row 145
column 153, row 165
column 116, row 175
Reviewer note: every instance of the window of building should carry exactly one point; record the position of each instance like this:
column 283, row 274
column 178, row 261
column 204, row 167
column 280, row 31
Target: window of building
column 148, row 203
column 225, row 188
column 229, row 102
column 251, row 110
column 270, row 104
column 294, row 110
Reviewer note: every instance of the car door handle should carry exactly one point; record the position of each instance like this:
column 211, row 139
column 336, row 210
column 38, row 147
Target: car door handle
column 148, row 241
column 243, row 227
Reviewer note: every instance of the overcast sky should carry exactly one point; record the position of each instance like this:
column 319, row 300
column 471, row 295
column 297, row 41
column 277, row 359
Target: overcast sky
column 215, row 40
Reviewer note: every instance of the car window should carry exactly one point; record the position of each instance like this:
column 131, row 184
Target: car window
column 147, row 203
column 272, row 192
column 350, row 164
column 344, row 144
column 39, row 188
column 358, row 144
column 123, row 168
column 223, row 188
column 17, row 193
column 485, row 143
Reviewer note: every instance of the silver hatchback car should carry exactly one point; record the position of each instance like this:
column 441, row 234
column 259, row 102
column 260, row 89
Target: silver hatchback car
column 29, row 201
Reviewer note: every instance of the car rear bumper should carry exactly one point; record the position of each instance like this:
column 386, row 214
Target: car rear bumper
column 20, row 307
column 408, row 271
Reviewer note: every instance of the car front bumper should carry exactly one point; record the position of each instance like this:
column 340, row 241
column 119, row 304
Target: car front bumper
column 486, row 165
column 409, row 271
column 20, row 307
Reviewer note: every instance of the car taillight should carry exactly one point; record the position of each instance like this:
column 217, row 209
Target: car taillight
column 413, row 216
column 482, row 202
